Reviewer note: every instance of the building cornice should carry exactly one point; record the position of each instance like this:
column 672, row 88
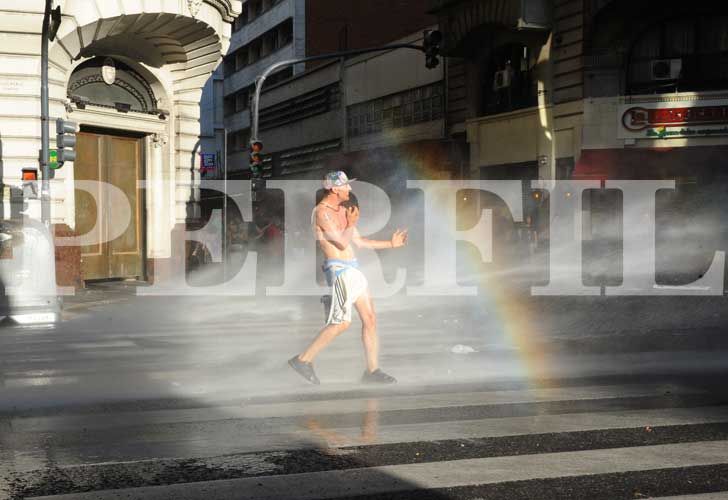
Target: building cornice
column 228, row 9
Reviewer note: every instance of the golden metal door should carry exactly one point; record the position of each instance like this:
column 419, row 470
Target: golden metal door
column 115, row 160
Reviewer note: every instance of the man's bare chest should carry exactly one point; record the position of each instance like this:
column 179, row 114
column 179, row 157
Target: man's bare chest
column 337, row 218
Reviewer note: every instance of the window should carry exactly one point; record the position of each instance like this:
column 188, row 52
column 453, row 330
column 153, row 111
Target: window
column 229, row 105
column 266, row 43
column 285, row 33
column 232, row 142
column 241, row 58
column 508, row 80
column 315, row 102
column 269, row 42
column 237, row 140
column 239, row 101
column 242, row 19
column 399, row 110
column 242, row 100
column 254, row 49
column 279, row 76
column 229, row 65
column 679, row 55
column 256, row 7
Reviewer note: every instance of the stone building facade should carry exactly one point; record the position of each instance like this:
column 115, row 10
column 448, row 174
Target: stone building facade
column 598, row 90
column 131, row 74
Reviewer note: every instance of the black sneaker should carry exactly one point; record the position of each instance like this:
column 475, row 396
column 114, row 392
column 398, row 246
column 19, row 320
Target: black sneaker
column 377, row 377
column 304, row 369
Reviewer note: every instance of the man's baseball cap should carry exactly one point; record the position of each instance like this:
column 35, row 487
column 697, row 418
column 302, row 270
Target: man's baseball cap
column 336, row 179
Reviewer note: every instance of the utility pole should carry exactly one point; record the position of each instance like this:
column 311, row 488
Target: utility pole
column 45, row 206
column 51, row 22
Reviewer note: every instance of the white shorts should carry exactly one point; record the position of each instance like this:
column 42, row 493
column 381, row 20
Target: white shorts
column 348, row 286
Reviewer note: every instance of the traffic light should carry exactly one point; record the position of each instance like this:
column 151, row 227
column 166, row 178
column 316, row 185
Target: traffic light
column 65, row 141
column 257, row 188
column 30, row 183
column 55, row 23
column 431, row 47
column 256, row 158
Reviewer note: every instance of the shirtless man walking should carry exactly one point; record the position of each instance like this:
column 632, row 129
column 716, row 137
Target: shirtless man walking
column 335, row 228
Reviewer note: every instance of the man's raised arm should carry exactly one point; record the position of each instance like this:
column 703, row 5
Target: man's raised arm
column 399, row 239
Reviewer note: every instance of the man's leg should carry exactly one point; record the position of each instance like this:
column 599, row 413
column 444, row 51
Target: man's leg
column 302, row 363
column 373, row 375
column 365, row 308
column 324, row 338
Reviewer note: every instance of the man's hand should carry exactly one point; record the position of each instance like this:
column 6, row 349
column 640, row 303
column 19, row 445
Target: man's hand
column 352, row 216
column 399, row 238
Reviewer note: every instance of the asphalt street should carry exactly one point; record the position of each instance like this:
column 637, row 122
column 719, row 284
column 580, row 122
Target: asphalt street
column 524, row 398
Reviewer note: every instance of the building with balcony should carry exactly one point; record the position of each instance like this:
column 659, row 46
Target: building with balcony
column 499, row 85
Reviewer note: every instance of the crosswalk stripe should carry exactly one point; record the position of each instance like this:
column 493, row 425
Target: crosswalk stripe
column 460, row 399
column 347, row 406
column 290, row 444
column 511, row 426
column 435, row 475
column 234, row 438
column 702, row 496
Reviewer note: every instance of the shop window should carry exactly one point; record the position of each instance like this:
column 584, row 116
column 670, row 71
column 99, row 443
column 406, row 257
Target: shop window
column 680, row 55
column 508, row 82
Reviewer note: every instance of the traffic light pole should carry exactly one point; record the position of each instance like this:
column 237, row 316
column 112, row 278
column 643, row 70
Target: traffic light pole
column 255, row 108
column 45, row 206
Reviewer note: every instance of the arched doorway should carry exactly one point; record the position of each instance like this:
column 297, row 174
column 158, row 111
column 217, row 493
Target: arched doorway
column 112, row 154
column 110, row 83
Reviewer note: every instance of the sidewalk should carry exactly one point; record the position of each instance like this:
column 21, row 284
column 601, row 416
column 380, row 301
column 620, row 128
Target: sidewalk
column 99, row 294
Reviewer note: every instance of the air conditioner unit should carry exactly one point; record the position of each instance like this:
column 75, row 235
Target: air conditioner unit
column 665, row 69
column 501, row 79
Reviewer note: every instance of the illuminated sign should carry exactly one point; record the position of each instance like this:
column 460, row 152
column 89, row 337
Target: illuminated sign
column 667, row 132
column 663, row 120
column 642, row 118
column 208, row 162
